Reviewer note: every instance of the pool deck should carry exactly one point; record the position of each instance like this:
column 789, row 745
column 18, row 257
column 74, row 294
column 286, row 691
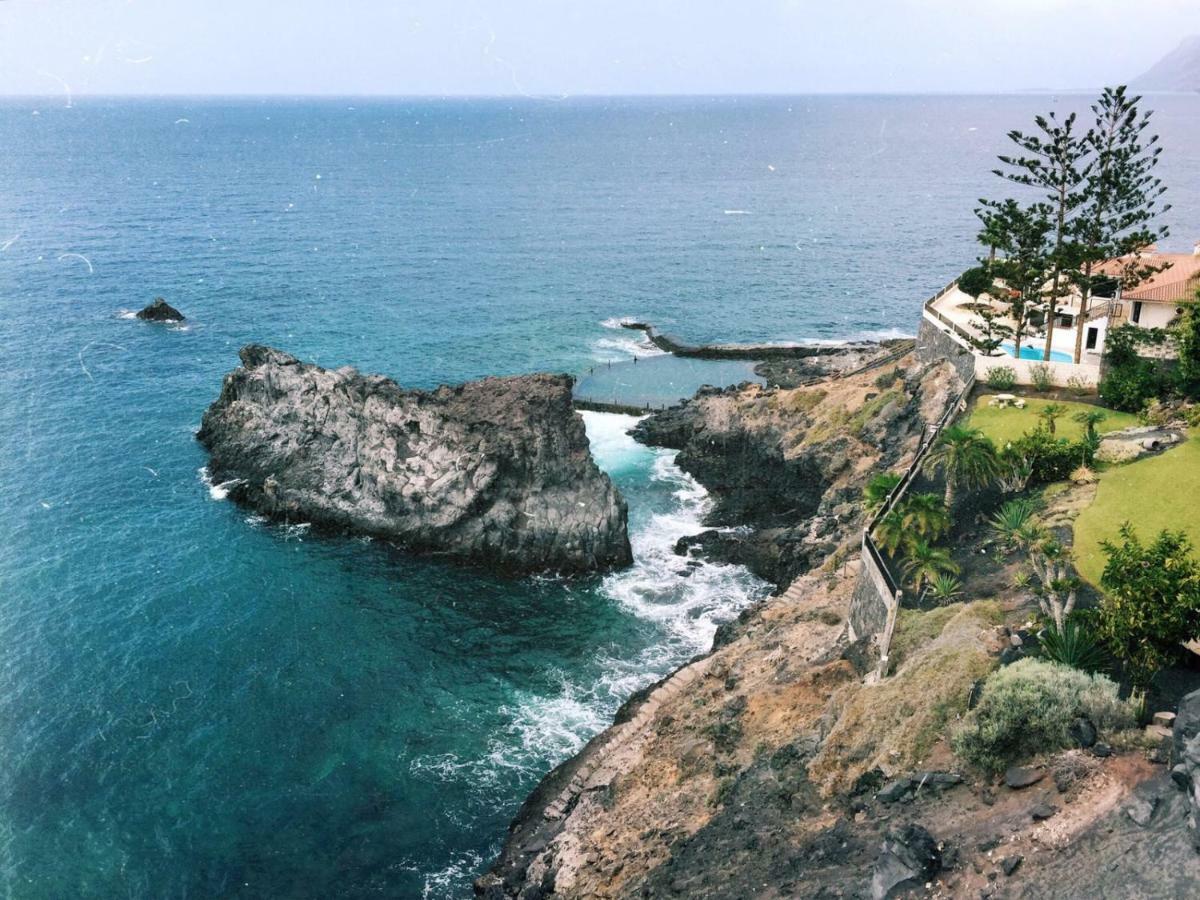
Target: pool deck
column 954, row 306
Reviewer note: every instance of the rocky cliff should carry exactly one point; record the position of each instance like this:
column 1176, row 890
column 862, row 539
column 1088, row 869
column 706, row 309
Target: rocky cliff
column 790, row 465
column 495, row 471
column 774, row 767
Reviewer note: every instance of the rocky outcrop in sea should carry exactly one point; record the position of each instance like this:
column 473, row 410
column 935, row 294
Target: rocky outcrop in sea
column 160, row 311
column 496, row 471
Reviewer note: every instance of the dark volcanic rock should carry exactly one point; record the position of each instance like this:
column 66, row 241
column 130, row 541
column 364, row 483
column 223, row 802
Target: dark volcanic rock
column 1187, row 754
column 496, row 471
column 909, row 858
column 160, row 311
column 1019, row 777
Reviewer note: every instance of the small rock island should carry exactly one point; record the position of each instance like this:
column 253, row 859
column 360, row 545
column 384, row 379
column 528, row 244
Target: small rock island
column 496, row 471
column 160, row 311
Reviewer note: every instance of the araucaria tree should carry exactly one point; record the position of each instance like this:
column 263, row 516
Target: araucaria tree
column 1120, row 199
column 966, row 457
column 1097, row 201
column 1019, row 233
column 1055, row 162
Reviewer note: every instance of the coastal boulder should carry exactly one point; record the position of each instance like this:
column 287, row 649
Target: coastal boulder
column 496, row 471
column 160, row 311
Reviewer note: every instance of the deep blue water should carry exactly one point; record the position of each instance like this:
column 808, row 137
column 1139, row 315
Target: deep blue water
column 193, row 703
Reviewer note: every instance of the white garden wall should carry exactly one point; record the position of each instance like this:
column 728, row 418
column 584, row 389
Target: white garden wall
column 1060, row 372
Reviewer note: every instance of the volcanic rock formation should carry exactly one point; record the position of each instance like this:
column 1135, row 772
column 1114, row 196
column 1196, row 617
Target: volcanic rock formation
column 496, row 471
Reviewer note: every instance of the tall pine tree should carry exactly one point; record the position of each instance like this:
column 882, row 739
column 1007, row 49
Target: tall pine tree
column 1120, row 198
column 1055, row 162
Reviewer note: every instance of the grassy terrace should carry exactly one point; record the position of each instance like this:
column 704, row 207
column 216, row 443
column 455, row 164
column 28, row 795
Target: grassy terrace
column 1008, row 424
column 1154, row 493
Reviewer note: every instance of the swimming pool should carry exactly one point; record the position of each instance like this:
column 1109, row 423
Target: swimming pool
column 1034, row 351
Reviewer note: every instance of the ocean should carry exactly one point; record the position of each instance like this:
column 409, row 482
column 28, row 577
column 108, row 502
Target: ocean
column 195, row 702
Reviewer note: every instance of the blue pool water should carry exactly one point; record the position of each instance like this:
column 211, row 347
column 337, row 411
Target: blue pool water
column 1036, row 351
column 194, row 703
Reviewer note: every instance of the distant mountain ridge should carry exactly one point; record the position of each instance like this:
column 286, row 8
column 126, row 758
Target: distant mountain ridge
column 1179, row 70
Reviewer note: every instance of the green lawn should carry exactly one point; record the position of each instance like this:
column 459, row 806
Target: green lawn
column 1008, row 424
column 1154, row 493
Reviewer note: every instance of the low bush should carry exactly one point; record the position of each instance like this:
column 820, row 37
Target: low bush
column 885, row 380
column 1028, row 707
column 1001, row 378
column 1078, row 386
column 1049, row 458
column 1042, row 377
column 1129, row 387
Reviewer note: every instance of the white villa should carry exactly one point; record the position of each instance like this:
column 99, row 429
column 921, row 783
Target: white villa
column 1153, row 304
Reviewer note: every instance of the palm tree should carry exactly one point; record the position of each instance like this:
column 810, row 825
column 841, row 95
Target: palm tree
column 966, row 457
column 1089, row 419
column 891, row 533
column 924, row 562
column 926, row 514
column 879, row 489
column 1051, row 413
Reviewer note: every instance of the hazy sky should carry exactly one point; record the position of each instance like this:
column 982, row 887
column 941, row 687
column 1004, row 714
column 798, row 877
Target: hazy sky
column 579, row 46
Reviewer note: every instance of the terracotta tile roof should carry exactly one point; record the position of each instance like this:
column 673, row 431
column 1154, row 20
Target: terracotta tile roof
column 1179, row 282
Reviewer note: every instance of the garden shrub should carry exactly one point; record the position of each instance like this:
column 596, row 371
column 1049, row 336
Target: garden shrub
column 1128, row 387
column 1042, row 377
column 1151, row 600
column 1028, row 707
column 1078, row 386
column 1049, row 458
column 1002, row 378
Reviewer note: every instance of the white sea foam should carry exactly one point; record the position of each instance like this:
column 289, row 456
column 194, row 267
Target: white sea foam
column 737, row 212
column 217, row 491
column 685, row 603
column 448, row 883
column 616, row 323
column 126, row 314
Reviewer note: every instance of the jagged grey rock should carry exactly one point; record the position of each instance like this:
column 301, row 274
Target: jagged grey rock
column 496, row 471
column 160, row 311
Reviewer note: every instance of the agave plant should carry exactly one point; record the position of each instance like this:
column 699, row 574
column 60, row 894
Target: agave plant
column 944, row 588
column 923, row 562
column 1074, row 646
column 1011, row 520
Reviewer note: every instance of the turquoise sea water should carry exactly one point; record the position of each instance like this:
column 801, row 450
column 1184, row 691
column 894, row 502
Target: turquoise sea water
column 195, row 703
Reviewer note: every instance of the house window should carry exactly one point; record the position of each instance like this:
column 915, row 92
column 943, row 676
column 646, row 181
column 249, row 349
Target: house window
column 1137, row 311
column 1064, row 320
column 1092, row 335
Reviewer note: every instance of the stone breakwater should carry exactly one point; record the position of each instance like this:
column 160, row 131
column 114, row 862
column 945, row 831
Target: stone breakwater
column 496, row 471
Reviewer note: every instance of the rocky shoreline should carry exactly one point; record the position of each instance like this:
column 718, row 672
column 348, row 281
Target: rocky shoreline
column 773, row 767
column 496, row 472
